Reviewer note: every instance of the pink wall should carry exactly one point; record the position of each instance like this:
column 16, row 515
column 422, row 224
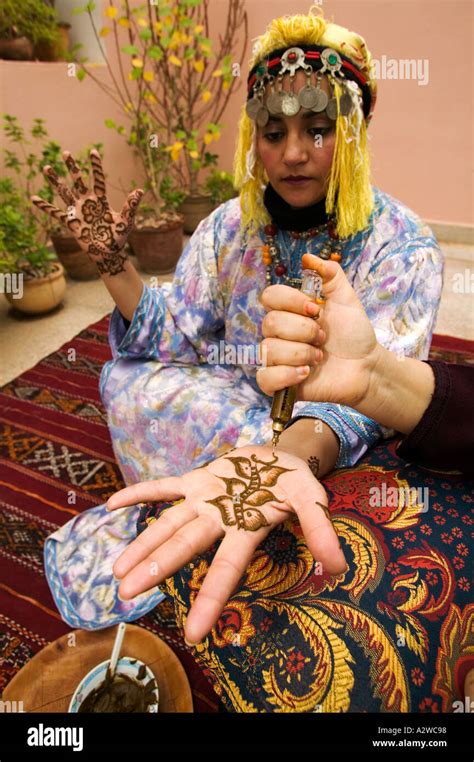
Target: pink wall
column 421, row 136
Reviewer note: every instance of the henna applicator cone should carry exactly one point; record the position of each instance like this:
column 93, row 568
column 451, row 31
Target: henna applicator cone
column 284, row 399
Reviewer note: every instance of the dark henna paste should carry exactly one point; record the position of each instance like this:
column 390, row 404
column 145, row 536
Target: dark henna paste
column 314, row 463
column 121, row 694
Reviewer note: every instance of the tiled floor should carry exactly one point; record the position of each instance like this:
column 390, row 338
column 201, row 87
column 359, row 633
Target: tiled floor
column 25, row 340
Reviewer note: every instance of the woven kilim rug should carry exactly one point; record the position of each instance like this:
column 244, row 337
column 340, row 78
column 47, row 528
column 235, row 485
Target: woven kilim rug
column 54, row 440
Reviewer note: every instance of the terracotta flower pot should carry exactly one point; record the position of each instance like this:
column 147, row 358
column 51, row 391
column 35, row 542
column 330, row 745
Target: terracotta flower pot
column 41, row 295
column 75, row 261
column 57, row 50
column 63, row 48
column 158, row 249
column 17, row 49
column 194, row 209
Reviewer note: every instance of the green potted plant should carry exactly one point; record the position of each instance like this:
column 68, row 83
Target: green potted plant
column 178, row 81
column 58, row 49
column 220, row 186
column 24, row 25
column 28, row 166
column 36, row 268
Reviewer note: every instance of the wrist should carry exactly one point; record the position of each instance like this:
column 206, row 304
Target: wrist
column 399, row 392
column 311, row 439
column 126, row 289
column 374, row 397
column 112, row 263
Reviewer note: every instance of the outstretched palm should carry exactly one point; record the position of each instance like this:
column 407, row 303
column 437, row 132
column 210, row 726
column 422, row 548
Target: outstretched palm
column 241, row 497
column 100, row 232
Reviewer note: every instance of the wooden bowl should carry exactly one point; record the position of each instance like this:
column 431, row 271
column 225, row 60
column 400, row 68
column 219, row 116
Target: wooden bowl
column 48, row 681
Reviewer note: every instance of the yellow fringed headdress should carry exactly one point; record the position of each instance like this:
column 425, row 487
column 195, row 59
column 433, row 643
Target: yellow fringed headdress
column 310, row 41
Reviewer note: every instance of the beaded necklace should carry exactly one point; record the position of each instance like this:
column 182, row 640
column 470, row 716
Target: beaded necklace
column 271, row 253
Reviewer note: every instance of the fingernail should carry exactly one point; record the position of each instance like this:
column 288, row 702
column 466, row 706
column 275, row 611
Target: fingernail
column 311, row 308
column 188, row 643
column 303, row 370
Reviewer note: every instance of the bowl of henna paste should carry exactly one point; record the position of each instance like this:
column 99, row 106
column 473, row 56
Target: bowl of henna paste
column 49, row 680
column 132, row 689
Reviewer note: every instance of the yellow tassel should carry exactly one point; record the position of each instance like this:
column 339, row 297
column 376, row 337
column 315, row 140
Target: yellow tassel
column 253, row 211
column 349, row 179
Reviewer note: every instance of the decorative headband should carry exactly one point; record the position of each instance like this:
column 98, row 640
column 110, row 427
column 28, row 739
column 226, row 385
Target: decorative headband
column 311, row 58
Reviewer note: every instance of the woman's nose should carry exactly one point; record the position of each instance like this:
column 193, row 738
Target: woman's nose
column 294, row 151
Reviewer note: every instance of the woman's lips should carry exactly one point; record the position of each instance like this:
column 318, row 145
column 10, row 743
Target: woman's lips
column 298, row 182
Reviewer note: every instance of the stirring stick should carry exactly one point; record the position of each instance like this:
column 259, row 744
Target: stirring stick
column 116, row 648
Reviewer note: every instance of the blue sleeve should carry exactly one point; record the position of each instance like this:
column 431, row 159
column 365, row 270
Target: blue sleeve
column 173, row 321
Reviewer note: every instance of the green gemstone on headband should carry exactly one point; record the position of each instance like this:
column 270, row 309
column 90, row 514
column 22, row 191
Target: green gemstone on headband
column 332, row 58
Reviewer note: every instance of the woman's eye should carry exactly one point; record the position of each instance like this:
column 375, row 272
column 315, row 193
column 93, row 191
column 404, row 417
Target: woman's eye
column 321, row 130
column 272, row 137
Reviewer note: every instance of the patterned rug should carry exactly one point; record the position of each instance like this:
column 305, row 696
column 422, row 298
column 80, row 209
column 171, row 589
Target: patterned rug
column 56, row 460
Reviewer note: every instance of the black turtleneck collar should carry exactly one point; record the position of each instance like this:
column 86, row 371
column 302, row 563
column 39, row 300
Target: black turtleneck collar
column 287, row 217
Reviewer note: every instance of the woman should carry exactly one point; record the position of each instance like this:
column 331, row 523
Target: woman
column 172, row 407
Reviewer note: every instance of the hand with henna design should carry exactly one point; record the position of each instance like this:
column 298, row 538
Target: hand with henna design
column 240, row 497
column 100, row 232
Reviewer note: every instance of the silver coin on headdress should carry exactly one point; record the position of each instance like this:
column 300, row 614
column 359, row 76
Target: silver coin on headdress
column 274, row 102
column 321, row 101
column 345, row 104
column 331, row 109
column 253, row 106
column 308, row 96
column 290, row 105
column 262, row 117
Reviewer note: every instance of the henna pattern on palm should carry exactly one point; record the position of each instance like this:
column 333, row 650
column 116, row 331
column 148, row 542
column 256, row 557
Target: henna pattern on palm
column 100, row 232
column 250, row 490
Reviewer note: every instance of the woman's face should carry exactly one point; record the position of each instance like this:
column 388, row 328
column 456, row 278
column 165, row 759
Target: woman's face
column 286, row 146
